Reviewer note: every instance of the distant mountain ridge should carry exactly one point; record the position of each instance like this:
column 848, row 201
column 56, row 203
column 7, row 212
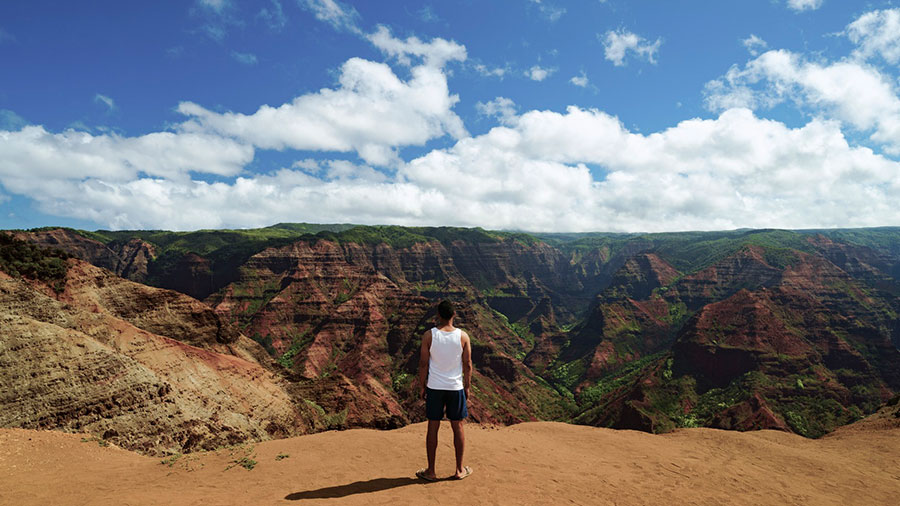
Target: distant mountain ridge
column 795, row 330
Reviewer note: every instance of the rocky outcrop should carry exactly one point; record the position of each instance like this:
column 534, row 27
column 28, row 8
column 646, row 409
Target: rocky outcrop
column 129, row 259
column 85, row 363
column 640, row 275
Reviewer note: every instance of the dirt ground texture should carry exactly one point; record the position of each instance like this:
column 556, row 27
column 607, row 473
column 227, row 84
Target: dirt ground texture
column 530, row 463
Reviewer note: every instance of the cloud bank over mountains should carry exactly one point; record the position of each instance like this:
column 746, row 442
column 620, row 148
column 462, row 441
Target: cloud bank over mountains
column 540, row 170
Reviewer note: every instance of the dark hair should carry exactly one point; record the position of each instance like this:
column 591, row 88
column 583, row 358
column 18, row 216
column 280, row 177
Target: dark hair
column 445, row 310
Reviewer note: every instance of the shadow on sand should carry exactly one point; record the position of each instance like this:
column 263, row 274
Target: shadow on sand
column 358, row 487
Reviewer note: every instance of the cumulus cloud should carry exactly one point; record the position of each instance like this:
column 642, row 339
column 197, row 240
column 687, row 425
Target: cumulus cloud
column 435, row 53
column 549, row 10
column 754, row 44
column 580, row 80
column 804, row 5
column 337, row 14
column 486, row 71
column 617, row 44
column 501, row 108
column 737, row 170
column 35, row 160
column 854, row 92
column 538, row 73
column 877, row 33
column 371, row 112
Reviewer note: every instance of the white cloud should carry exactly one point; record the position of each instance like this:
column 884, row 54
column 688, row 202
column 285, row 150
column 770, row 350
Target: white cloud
column 103, row 99
column 245, row 58
column 501, row 108
column 435, row 53
column 617, row 44
column 804, row 5
column 550, row 11
column 33, row 157
column 580, row 80
column 737, row 170
column 754, row 44
column 372, row 112
column 538, row 73
column 854, row 92
column 877, row 33
column 337, row 14
column 486, row 71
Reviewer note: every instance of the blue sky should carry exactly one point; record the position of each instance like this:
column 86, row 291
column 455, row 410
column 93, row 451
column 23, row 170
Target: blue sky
column 531, row 115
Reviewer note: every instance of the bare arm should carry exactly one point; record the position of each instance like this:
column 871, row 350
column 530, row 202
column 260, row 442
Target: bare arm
column 424, row 356
column 466, row 362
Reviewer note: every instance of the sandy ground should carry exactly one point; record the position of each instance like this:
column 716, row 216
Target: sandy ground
column 532, row 463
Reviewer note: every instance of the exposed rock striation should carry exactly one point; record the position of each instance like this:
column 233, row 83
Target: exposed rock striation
column 96, row 360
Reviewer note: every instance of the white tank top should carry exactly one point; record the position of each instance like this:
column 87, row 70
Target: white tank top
column 445, row 364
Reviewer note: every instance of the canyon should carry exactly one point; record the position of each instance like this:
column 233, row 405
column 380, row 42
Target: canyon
column 217, row 336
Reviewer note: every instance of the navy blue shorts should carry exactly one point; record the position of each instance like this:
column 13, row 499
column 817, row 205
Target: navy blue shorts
column 451, row 401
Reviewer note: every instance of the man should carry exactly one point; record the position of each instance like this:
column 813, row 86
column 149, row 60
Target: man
column 445, row 373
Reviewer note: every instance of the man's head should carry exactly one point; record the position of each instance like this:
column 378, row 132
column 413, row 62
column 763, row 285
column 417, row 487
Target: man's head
column 445, row 310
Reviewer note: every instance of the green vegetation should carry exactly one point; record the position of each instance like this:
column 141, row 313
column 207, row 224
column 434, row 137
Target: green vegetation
column 687, row 251
column 565, row 375
column 100, row 441
column 879, row 238
column 246, row 462
column 170, row 460
column 281, row 456
column 404, row 237
column 627, row 374
column 297, row 344
column 22, row 259
column 401, row 382
column 329, row 421
column 345, row 292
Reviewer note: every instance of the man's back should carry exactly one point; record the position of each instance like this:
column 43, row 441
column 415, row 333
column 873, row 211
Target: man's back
column 445, row 368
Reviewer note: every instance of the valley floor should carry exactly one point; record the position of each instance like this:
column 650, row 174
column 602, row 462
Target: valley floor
column 530, row 463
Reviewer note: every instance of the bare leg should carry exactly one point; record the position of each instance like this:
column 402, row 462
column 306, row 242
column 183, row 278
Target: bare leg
column 431, row 441
column 459, row 443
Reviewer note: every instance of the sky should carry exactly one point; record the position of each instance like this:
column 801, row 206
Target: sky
column 533, row 115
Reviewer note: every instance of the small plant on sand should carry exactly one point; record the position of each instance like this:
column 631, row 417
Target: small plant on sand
column 282, row 456
column 246, row 462
column 170, row 460
column 100, row 441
